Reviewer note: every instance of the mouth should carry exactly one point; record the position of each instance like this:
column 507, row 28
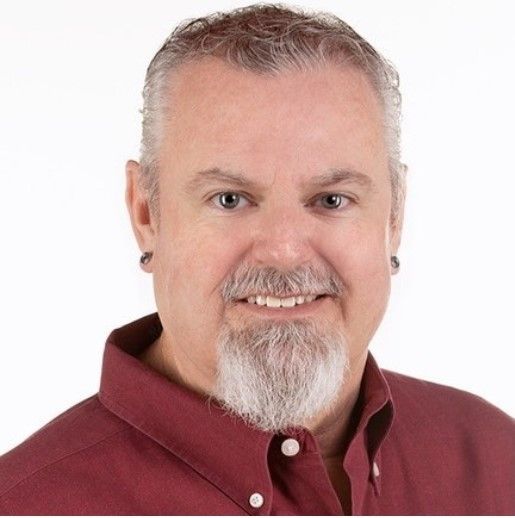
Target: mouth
column 284, row 301
column 305, row 308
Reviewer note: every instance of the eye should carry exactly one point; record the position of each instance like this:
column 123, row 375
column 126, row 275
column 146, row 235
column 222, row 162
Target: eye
column 228, row 200
column 335, row 201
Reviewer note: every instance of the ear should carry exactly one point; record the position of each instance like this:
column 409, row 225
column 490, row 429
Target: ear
column 396, row 223
column 142, row 223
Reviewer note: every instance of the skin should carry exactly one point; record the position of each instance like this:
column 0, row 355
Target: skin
column 279, row 131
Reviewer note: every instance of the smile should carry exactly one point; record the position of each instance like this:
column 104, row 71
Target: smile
column 304, row 308
column 286, row 302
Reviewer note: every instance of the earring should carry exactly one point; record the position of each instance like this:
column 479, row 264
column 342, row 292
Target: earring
column 145, row 258
column 394, row 260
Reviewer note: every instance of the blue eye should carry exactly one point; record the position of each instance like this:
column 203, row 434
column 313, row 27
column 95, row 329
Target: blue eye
column 335, row 201
column 228, row 200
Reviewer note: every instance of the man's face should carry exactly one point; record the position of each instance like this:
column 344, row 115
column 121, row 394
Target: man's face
column 281, row 133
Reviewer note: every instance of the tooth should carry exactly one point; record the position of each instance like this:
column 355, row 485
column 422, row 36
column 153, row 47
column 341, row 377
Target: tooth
column 260, row 300
column 276, row 302
column 288, row 303
column 273, row 302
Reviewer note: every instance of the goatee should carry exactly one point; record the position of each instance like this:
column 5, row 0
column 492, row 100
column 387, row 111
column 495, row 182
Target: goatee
column 277, row 375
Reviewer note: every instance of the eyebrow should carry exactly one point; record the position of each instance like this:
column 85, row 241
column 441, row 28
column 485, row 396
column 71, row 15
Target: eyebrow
column 332, row 177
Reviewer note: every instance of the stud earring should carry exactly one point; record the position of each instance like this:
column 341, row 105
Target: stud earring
column 145, row 258
column 394, row 260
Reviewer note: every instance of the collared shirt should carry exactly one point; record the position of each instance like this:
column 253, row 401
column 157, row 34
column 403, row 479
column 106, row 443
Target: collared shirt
column 147, row 446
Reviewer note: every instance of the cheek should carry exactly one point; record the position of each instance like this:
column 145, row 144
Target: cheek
column 363, row 266
column 196, row 263
column 187, row 279
column 361, row 255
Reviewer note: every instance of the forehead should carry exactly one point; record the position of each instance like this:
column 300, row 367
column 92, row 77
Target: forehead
column 223, row 116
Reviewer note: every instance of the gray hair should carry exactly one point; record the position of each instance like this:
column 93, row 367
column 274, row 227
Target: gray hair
column 280, row 375
column 267, row 39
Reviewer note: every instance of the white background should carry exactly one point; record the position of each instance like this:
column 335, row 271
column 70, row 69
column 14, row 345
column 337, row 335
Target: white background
column 70, row 91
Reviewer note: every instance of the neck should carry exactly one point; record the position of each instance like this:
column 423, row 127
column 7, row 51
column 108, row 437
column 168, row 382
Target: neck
column 158, row 357
column 332, row 429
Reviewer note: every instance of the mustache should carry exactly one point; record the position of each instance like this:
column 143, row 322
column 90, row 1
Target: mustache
column 246, row 281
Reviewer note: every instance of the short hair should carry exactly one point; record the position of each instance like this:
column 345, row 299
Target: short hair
column 268, row 39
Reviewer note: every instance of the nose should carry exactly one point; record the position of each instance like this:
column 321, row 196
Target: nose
column 282, row 238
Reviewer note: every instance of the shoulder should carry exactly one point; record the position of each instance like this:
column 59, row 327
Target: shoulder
column 447, row 441
column 79, row 428
column 427, row 405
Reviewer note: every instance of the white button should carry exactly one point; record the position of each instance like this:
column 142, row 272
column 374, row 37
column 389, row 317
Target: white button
column 290, row 447
column 375, row 469
column 256, row 500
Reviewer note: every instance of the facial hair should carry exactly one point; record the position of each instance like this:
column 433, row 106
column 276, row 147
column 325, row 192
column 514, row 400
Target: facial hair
column 276, row 375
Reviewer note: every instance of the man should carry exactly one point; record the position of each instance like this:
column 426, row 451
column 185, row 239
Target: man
column 268, row 203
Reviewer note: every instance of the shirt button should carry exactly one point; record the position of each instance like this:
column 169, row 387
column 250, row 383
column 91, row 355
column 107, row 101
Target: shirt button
column 256, row 500
column 290, row 447
column 375, row 469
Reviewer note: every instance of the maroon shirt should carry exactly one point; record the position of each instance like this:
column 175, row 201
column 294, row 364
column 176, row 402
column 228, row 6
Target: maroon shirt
column 145, row 445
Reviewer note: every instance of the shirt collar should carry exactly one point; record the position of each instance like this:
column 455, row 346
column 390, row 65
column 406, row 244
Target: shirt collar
column 190, row 427
column 376, row 412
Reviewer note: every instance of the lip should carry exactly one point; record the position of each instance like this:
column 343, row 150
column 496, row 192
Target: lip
column 299, row 311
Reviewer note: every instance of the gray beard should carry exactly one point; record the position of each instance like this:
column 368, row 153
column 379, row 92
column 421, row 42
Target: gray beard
column 279, row 374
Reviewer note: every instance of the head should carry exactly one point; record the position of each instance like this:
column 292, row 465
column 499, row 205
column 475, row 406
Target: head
column 270, row 165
